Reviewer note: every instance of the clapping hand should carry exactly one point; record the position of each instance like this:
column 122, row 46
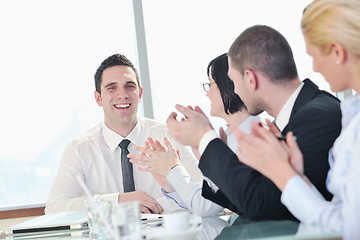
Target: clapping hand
column 156, row 159
column 191, row 128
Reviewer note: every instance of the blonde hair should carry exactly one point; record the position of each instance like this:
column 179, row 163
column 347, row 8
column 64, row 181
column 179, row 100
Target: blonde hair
column 327, row 21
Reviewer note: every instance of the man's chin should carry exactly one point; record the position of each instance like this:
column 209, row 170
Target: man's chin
column 124, row 120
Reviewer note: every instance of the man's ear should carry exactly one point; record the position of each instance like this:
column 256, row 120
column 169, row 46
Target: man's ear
column 98, row 98
column 251, row 79
column 140, row 93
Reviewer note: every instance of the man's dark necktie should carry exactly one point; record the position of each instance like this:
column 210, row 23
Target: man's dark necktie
column 126, row 166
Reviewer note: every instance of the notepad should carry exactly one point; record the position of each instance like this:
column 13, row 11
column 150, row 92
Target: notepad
column 50, row 223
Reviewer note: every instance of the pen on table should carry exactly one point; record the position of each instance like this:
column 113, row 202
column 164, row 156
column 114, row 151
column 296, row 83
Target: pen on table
column 152, row 222
column 283, row 138
column 152, row 219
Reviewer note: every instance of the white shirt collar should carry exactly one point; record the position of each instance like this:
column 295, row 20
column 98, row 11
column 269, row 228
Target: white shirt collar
column 285, row 112
column 113, row 139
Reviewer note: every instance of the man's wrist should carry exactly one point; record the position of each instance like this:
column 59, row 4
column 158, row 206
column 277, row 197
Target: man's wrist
column 283, row 177
column 119, row 197
column 306, row 180
column 122, row 197
column 168, row 188
column 206, row 139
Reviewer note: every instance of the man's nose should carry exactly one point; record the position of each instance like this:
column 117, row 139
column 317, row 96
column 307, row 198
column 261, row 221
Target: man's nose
column 122, row 93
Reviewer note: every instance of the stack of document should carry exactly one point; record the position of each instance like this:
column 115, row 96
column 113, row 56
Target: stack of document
column 49, row 224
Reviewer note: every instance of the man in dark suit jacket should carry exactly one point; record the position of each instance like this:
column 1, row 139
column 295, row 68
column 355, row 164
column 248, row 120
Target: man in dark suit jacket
column 262, row 66
column 315, row 121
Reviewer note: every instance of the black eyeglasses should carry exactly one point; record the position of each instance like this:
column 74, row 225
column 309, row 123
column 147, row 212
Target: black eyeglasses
column 207, row 86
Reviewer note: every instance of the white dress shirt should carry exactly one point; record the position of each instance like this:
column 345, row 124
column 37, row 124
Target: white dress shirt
column 283, row 117
column 96, row 157
column 188, row 193
column 342, row 213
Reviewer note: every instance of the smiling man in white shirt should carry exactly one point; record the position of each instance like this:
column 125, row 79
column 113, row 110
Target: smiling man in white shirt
column 95, row 156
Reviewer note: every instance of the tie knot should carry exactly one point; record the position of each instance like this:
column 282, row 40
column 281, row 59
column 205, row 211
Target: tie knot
column 124, row 143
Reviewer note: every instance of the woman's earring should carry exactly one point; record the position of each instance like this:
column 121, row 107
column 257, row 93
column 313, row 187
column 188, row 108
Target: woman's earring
column 337, row 62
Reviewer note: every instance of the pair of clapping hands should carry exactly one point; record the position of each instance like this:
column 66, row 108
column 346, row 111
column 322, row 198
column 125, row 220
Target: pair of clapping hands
column 155, row 159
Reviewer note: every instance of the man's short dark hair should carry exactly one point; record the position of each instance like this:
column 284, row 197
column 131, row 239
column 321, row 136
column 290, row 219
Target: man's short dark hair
column 114, row 60
column 262, row 48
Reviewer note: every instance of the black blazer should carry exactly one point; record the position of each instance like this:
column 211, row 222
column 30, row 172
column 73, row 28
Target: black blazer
column 316, row 122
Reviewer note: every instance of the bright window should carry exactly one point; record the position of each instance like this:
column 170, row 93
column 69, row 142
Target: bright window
column 184, row 35
column 50, row 51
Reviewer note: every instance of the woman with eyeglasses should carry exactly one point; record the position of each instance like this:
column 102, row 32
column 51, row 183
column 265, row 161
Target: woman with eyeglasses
column 331, row 29
column 225, row 103
column 165, row 166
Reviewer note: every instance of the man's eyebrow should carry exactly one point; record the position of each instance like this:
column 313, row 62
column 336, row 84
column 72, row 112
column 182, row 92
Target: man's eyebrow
column 131, row 82
column 110, row 84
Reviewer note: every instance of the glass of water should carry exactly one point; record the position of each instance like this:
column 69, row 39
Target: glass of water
column 126, row 219
column 97, row 226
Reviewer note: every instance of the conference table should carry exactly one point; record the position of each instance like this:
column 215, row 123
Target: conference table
column 221, row 227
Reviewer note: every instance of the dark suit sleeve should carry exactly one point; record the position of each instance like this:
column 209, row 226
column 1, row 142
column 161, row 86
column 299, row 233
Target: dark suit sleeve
column 217, row 197
column 247, row 190
column 316, row 127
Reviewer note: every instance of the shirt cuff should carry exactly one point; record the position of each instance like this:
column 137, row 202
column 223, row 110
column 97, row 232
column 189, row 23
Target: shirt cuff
column 175, row 197
column 206, row 139
column 302, row 200
column 112, row 197
column 181, row 181
column 175, row 174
